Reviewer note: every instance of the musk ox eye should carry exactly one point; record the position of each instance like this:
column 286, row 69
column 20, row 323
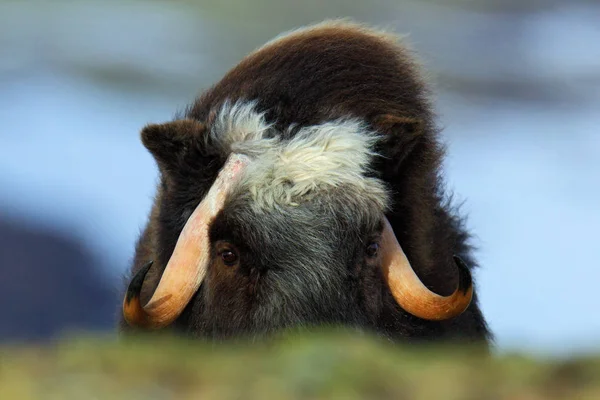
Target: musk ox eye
column 372, row 249
column 229, row 257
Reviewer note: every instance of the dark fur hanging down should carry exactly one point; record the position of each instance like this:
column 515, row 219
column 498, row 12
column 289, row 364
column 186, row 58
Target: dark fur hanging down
column 304, row 264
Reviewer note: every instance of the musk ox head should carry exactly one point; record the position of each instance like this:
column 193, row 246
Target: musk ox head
column 290, row 232
column 282, row 199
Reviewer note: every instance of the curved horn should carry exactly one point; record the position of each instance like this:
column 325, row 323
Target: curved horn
column 411, row 294
column 187, row 266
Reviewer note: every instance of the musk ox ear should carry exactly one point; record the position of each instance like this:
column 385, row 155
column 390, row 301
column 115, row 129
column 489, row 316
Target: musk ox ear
column 401, row 134
column 170, row 142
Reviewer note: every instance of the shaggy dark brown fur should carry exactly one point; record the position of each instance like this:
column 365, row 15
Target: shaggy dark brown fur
column 312, row 76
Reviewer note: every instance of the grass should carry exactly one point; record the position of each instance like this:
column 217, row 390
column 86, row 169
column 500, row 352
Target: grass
column 323, row 366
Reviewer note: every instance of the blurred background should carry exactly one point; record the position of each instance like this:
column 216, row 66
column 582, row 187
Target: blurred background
column 518, row 95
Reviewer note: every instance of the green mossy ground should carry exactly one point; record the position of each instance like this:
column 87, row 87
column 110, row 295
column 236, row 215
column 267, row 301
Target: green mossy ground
column 324, row 366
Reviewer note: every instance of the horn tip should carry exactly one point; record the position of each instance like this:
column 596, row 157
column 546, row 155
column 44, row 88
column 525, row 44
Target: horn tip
column 135, row 286
column 465, row 280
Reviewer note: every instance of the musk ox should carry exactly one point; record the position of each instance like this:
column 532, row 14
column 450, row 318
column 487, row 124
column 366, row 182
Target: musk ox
column 304, row 190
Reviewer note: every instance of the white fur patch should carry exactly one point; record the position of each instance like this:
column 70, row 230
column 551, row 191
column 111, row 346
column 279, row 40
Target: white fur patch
column 318, row 159
column 238, row 123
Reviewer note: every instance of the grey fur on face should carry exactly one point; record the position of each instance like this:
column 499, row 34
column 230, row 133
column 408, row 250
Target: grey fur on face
column 305, row 257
